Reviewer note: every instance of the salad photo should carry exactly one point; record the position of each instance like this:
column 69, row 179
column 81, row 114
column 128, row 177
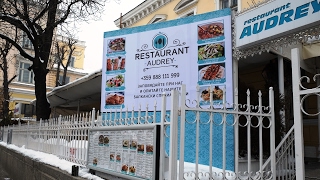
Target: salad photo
column 116, row 81
column 209, row 51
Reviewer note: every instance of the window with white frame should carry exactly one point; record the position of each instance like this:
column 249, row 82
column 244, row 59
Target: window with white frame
column 25, row 76
column 72, row 60
column 191, row 12
column 158, row 18
column 26, row 43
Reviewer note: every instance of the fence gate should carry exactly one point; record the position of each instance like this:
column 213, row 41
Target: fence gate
column 300, row 94
column 208, row 138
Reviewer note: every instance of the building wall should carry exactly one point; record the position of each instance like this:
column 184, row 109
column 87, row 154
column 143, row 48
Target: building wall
column 24, row 92
column 202, row 6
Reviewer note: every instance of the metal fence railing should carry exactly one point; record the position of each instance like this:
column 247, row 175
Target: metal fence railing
column 202, row 136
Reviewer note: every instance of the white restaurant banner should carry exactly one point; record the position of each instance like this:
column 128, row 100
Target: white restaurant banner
column 141, row 64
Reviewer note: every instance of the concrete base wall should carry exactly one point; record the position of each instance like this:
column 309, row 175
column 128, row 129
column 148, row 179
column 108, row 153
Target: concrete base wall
column 24, row 168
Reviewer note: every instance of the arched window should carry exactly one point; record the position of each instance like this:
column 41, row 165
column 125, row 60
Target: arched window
column 158, row 18
column 184, row 5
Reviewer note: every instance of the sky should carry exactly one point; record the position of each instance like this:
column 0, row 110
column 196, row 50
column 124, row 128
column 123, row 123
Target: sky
column 92, row 32
column 84, row 172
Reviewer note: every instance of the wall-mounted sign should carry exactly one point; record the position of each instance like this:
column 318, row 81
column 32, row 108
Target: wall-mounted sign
column 128, row 152
column 142, row 64
column 275, row 19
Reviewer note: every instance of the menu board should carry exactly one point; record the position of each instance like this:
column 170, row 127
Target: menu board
column 125, row 152
column 142, row 64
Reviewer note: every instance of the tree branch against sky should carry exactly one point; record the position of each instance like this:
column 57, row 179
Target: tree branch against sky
column 37, row 20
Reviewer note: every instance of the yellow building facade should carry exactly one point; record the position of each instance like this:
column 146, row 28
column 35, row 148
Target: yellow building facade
column 153, row 11
column 22, row 88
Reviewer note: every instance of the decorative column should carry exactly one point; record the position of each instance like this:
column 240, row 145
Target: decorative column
column 281, row 83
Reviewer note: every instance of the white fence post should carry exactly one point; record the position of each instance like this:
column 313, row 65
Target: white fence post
column 298, row 123
column 182, row 129
column 58, row 135
column 173, row 135
column 272, row 135
column 39, row 135
column 93, row 116
column 162, row 134
column 236, row 134
column 27, row 144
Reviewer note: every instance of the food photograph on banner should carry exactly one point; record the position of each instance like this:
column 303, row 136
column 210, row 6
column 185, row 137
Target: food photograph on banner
column 142, row 64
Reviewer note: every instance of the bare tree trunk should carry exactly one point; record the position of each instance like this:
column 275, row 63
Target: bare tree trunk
column 58, row 74
column 6, row 96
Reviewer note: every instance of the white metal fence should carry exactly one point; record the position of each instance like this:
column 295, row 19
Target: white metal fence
column 67, row 137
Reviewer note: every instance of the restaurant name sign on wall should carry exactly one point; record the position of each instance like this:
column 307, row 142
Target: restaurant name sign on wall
column 275, row 19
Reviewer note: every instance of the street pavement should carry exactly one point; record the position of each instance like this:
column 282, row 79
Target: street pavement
column 3, row 173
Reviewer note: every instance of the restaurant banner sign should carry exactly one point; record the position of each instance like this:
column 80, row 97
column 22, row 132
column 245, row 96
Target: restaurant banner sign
column 142, row 64
column 275, row 19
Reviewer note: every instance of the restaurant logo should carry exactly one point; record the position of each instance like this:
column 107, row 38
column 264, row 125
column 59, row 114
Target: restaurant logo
column 160, row 41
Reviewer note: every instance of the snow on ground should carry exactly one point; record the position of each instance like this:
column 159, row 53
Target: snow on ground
column 52, row 160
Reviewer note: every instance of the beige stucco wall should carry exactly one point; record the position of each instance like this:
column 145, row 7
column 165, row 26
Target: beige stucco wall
column 202, row 6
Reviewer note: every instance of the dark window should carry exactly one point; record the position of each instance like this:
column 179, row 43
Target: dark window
column 25, row 76
column 72, row 60
column 156, row 20
column 28, row 110
column 228, row 3
column 26, row 43
column 67, row 79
